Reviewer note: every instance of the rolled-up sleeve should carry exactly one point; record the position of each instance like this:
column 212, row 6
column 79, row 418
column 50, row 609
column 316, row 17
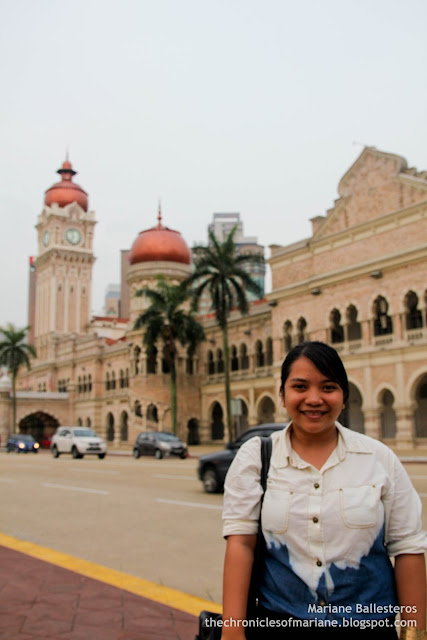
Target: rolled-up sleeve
column 403, row 514
column 242, row 491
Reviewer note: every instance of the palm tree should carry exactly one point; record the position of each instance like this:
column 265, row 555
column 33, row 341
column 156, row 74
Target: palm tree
column 165, row 319
column 221, row 272
column 14, row 353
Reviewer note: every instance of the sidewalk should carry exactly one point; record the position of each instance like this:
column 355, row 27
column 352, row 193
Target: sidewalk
column 39, row 600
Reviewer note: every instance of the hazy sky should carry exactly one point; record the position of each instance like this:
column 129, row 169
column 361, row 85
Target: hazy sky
column 257, row 107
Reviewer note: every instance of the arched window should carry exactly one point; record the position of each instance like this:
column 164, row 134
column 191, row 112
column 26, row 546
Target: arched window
column 259, row 354
column 136, row 356
column 166, row 360
column 234, row 360
column 124, row 427
column 89, row 383
column 354, row 329
column 287, row 339
column 388, row 415
column 110, row 427
column 84, row 384
column 414, row 318
column 269, row 352
column 301, row 327
column 219, row 361
column 88, row 423
column 211, row 363
column 127, row 377
column 137, row 408
column 79, row 422
column 113, row 380
column 217, row 424
column 421, row 409
column 152, row 413
column 352, row 415
column 189, row 365
column 152, row 360
column 79, row 384
column 244, row 358
column 107, row 382
column 337, row 330
column 383, row 323
column 266, row 411
column 121, row 379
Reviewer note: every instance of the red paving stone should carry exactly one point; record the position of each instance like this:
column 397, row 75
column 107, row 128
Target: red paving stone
column 39, row 600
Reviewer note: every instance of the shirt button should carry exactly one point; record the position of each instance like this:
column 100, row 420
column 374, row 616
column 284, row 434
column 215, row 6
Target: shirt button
column 316, row 485
column 319, row 563
column 315, row 519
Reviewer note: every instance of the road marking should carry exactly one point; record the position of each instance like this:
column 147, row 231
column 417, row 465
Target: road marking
column 418, row 477
column 156, row 592
column 7, row 480
column 181, row 503
column 165, row 475
column 423, row 495
column 107, row 471
column 68, row 488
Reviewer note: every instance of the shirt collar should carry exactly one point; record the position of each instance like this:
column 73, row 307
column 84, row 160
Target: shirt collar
column 348, row 441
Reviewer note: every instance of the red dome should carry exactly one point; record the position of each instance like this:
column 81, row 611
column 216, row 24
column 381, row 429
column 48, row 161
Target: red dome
column 160, row 244
column 66, row 192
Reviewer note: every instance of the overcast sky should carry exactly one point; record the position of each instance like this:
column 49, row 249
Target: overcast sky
column 257, row 107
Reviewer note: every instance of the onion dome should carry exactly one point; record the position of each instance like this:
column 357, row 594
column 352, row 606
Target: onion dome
column 160, row 244
column 66, row 191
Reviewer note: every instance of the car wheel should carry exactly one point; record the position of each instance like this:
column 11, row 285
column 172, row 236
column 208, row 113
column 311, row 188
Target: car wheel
column 210, row 481
column 101, row 456
column 75, row 453
column 55, row 452
column 183, row 455
column 158, row 454
column 136, row 454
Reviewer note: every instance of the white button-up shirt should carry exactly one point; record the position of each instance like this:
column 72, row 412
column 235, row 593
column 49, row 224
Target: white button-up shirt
column 329, row 532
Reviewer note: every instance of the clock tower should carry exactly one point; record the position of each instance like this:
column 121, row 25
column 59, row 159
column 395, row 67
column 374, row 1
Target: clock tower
column 63, row 267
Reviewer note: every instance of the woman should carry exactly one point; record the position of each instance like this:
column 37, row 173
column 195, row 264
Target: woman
column 338, row 506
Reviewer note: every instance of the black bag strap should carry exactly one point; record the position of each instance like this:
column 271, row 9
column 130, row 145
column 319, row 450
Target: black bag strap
column 266, row 448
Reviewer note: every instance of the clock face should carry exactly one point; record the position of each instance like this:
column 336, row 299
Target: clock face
column 46, row 238
column 73, row 236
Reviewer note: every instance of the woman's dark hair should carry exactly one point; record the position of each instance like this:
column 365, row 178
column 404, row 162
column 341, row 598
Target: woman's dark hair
column 324, row 358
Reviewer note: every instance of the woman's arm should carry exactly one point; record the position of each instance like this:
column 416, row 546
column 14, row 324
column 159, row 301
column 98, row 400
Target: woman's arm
column 239, row 558
column 410, row 574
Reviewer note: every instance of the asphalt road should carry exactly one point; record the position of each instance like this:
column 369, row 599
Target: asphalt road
column 148, row 518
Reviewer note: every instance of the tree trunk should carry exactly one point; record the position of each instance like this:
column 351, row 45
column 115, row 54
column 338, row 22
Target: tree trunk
column 13, row 403
column 173, row 397
column 227, row 384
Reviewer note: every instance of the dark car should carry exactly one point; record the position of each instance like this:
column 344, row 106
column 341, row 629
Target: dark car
column 213, row 467
column 22, row 443
column 159, row 444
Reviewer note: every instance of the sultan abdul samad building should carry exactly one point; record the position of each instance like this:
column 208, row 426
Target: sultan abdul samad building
column 359, row 282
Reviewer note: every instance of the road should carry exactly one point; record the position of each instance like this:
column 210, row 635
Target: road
column 148, row 518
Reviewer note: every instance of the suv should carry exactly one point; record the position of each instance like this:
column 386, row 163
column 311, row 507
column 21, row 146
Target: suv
column 78, row 441
column 159, row 444
column 213, row 467
column 21, row 442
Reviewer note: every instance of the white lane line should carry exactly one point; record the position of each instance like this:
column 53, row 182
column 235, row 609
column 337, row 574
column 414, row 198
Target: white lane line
column 181, row 503
column 418, row 477
column 170, row 477
column 423, row 495
column 68, row 488
column 7, row 480
column 111, row 473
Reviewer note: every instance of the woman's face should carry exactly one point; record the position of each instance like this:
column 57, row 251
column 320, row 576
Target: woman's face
column 312, row 401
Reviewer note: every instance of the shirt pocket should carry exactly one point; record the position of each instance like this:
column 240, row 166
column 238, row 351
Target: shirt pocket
column 275, row 511
column 359, row 506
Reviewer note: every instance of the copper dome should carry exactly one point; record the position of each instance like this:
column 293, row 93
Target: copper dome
column 160, row 244
column 66, row 192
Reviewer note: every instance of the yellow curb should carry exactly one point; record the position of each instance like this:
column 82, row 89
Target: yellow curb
column 150, row 590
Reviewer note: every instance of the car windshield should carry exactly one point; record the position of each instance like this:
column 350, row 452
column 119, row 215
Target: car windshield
column 84, row 433
column 167, row 437
column 25, row 438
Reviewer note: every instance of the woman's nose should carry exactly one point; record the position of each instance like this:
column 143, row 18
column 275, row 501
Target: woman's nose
column 313, row 396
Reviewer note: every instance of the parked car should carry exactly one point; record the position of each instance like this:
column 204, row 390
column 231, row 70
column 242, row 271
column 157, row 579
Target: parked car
column 45, row 442
column 213, row 467
column 22, row 443
column 159, row 444
column 79, row 441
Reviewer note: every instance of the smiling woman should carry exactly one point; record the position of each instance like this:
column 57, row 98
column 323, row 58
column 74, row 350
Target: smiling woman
column 338, row 505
